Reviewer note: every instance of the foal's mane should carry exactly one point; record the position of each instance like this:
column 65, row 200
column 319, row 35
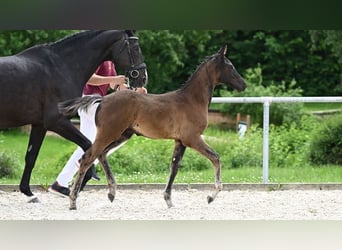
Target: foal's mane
column 206, row 59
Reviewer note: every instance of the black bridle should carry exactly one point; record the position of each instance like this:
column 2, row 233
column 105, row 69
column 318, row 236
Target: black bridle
column 133, row 72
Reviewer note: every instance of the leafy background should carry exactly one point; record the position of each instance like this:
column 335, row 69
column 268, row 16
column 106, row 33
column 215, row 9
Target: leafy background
column 311, row 58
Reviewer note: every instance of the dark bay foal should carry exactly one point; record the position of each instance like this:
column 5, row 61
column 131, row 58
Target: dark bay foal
column 181, row 115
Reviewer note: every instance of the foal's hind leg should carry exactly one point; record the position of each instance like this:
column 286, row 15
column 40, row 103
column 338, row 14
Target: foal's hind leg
column 109, row 175
column 177, row 156
column 87, row 159
column 203, row 148
column 103, row 160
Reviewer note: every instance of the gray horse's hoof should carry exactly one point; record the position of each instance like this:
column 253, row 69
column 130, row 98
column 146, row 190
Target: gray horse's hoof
column 33, row 199
column 210, row 199
column 169, row 204
column 167, row 198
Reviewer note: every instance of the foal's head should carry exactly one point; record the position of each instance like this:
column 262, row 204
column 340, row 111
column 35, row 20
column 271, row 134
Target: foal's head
column 226, row 71
column 131, row 59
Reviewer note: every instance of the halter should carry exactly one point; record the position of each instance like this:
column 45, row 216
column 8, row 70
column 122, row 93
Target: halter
column 133, row 72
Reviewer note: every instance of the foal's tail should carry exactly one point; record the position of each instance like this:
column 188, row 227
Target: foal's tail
column 70, row 107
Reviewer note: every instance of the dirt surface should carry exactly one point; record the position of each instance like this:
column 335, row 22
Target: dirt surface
column 189, row 205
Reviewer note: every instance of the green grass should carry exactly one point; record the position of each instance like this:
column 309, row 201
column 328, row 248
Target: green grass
column 327, row 174
column 310, row 107
column 55, row 152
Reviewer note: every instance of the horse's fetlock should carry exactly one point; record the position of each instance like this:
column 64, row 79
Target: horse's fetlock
column 167, row 196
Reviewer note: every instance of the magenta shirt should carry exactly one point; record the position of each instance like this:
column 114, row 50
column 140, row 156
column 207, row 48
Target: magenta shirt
column 105, row 69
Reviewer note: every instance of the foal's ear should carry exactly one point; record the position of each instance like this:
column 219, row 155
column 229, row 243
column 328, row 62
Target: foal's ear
column 223, row 50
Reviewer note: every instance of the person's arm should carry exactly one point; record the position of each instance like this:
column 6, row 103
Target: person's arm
column 114, row 81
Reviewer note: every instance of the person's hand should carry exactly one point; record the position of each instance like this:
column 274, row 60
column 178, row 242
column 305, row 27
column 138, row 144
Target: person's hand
column 117, row 82
column 122, row 87
column 141, row 90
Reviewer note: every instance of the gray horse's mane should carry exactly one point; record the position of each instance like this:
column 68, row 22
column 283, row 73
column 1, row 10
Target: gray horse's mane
column 64, row 40
column 71, row 37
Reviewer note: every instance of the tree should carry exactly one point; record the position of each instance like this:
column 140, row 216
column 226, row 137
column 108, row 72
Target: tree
column 330, row 39
column 310, row 58
column 283, row 56
column 12, row 42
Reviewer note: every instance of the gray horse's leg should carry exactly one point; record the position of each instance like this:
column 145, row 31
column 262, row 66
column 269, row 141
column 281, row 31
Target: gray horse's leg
column 36, row 138
column 177, row 156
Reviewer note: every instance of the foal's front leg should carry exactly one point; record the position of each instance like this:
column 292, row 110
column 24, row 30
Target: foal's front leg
column 208, row 152
column 177, row 156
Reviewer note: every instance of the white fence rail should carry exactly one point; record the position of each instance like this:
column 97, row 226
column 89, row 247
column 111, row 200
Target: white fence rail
column 267, row 101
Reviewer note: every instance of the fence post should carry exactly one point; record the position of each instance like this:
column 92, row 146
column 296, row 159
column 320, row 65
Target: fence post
column 266, row 124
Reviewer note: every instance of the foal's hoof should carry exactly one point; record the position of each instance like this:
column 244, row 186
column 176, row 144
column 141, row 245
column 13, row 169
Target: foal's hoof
column 111, row 197
column 210, row 199
column 33, row 199
column 72, row 205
